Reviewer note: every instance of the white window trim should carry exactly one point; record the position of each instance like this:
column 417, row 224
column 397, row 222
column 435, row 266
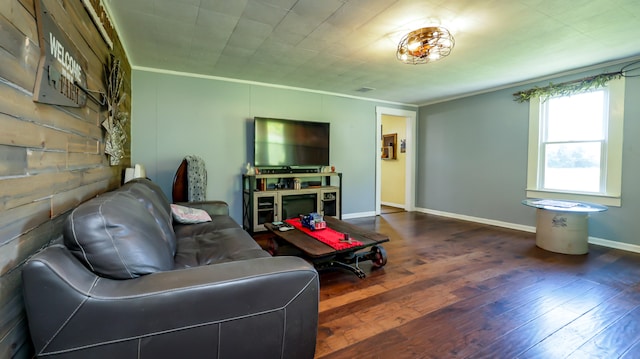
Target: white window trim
column 613, row 192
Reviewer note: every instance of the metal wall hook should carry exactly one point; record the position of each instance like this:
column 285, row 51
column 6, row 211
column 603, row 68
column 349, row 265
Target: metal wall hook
column 103, row 98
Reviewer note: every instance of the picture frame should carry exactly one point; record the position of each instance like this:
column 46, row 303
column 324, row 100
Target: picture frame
column 389, row 146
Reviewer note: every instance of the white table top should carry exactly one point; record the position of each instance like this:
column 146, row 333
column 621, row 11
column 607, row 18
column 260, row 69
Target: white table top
column 564, row 205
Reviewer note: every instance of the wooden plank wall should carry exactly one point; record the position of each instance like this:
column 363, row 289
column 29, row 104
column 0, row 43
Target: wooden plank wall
column 51, row 157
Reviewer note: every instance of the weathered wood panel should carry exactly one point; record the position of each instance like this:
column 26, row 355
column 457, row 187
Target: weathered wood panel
column 27, row 4
column 51, row 157
column 12, row 160
column 10, row 283
column 46, row 161
column 20, row 17
column 63, row 202
column 16, row 132
column 20, row 61
column 18, row 348
column 19, row 220
column 11, row 346
column 13, row 328
column 22, row 190
column 19, row 104
column 16, row 251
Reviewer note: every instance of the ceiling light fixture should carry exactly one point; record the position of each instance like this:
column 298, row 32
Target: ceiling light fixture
column 425, row 45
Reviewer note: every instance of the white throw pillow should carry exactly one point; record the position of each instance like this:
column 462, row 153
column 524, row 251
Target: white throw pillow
column 189, row 215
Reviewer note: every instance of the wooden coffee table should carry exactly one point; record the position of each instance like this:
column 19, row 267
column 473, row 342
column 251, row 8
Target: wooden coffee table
column 324, row 256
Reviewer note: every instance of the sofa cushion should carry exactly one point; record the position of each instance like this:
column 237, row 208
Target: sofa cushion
column 115, row 236
column 154, row 200
column 218, row 241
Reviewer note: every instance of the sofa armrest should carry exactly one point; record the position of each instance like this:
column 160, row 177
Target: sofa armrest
column 264, row 307
column 212, row 207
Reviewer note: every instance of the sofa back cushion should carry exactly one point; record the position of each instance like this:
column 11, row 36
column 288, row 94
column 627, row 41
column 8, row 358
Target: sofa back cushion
column 116, row 236
column 154, row 200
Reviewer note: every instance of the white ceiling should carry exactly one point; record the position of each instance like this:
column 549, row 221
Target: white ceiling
column 340, row 46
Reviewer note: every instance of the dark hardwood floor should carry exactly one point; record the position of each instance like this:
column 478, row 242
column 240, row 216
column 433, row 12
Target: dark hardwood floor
column 388, row 209
column 455, row 289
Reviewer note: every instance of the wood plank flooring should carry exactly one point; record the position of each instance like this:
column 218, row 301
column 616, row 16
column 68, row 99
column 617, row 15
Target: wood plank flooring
column 388, row 209
column 455, row 289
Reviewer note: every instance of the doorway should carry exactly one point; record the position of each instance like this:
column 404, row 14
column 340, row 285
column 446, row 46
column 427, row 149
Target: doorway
column 405, row 147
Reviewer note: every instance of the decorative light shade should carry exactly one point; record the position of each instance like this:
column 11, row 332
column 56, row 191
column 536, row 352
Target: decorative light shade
column 425, row 45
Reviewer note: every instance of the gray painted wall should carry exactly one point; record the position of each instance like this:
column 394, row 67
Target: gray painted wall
column 173, row 116
column 473, row 160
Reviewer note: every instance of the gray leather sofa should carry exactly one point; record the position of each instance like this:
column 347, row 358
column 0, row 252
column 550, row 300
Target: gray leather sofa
column 130, row 283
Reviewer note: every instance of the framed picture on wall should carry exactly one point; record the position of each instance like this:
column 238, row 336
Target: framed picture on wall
column 389, row 146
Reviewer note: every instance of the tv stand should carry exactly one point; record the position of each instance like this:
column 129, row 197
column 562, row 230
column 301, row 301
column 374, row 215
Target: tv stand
column 270, row 197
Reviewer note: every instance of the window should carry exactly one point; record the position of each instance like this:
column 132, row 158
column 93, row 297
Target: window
column 575, row 146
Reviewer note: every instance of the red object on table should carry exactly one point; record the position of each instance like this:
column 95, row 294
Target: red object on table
column 328, row 236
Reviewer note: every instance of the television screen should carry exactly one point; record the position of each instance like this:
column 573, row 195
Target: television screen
column 279, row 142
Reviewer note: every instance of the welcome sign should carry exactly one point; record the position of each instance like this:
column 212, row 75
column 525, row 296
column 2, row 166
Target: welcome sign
column 61, row 77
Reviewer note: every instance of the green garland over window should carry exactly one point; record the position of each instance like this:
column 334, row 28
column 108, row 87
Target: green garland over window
column 567, row 88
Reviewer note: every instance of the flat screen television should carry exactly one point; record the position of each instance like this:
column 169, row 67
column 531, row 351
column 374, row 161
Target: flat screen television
column 290, row 143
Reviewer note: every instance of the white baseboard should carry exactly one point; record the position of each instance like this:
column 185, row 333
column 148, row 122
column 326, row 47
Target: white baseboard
column 358, row 215
column 491, row 222
column 616, row 245
column 593, row 240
